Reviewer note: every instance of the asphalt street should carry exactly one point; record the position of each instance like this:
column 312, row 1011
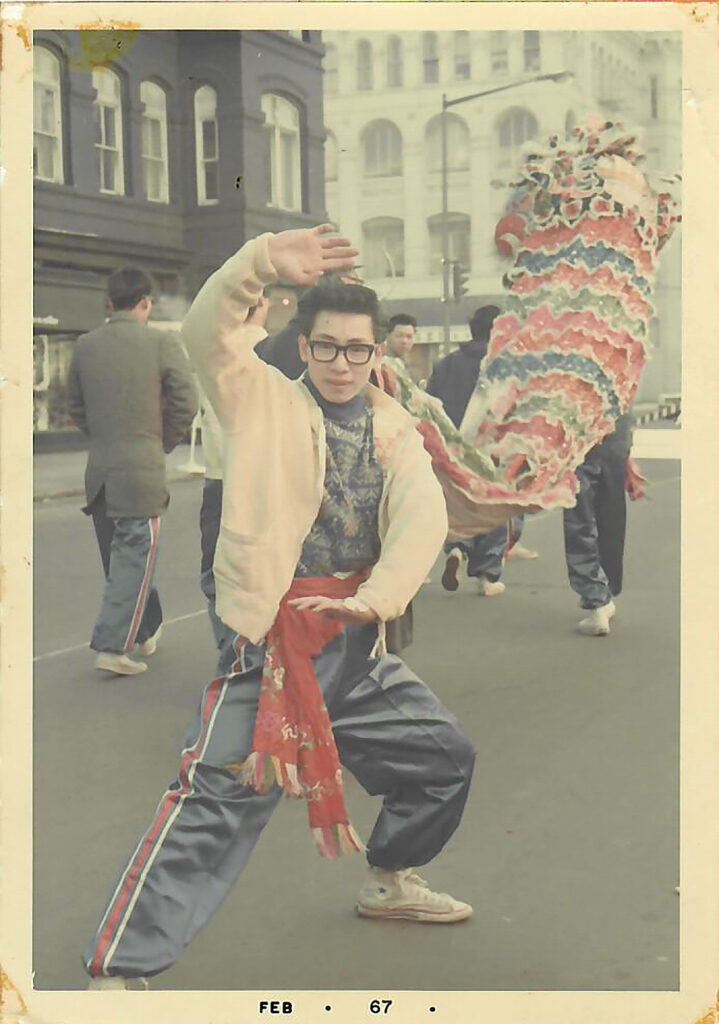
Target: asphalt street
column 569, row 848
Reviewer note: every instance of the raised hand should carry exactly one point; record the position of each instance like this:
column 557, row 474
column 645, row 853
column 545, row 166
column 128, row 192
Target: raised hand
column 334, row 609
column 305, row 254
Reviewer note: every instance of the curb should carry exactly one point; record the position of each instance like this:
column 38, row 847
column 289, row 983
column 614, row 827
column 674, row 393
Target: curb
column 77, row 492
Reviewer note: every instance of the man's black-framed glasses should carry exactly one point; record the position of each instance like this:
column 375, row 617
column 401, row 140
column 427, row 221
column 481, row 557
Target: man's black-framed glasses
column 356, row 353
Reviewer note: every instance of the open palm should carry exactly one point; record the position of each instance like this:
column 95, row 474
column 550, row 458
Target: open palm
column 305, row 254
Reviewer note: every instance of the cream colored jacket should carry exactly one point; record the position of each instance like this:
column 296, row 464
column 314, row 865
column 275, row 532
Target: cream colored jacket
column 274, row 463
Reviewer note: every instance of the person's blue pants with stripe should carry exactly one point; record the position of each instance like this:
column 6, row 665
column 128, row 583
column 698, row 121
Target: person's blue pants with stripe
column 392, row 733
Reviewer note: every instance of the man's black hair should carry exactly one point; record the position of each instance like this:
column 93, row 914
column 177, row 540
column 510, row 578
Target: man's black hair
column 401, row 320
column 335, row 297
column 481, row 323
column 127, row 286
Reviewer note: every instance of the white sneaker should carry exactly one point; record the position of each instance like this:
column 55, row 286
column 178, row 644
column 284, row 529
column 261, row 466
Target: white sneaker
column 119, row 664
column 103, row 983
column 597, row 622
column 450, row 576
column 488, row 588
column 403, row 894
column 519, row 551
column 149, row 646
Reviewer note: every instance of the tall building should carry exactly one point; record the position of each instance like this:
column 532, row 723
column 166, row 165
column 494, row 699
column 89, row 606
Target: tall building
column 383, row 154
column 167, row 154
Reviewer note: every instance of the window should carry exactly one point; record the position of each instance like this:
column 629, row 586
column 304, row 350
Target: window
column 47, row 116
column 108, row 110
column 430, row 51
column 282, row 135
column 154, row 143
column 331, row 157
column 532, row 52
column 395, row 71
column 207, row 151
column 462, row 56
column 382, row 149
column 330, row 69
column 458, row 237
column 457, row 144
column 365, row 77
column 513, row 129
column 383, row 247
column 654, row 97
column 498, row 53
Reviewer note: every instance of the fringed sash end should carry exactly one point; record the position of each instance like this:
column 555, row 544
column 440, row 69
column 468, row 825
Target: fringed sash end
column 333, row 840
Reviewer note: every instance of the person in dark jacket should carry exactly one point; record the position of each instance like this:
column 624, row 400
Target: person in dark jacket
column 594, row 530
column 453, row 380
column 130, row 389
column 454, row 377
column 282, row 350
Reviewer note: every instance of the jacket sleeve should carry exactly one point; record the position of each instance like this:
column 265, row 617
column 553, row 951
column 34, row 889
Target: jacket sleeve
column 219, row 342
column 179, row 393
column 416, row 529
column 74, row 396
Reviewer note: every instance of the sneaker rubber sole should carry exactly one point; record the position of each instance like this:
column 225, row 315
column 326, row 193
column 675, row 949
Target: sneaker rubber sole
column 421, row 914
column 450, row 578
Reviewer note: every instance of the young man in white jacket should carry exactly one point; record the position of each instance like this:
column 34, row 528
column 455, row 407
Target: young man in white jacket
column 331, row 519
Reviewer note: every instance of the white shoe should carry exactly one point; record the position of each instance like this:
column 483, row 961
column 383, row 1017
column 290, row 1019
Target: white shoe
column 597, row 622
column 403, row 894
column 519, row 551
column 450, row 576
column 487, row 588
column 120, row 664
column 103, row 983
column 149, row 646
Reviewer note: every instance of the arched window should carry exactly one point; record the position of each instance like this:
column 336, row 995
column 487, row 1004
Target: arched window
column 430, row 56
column 383, row 247
column 457, row 144
column 459, row 237
column 498, row 52
column 109, row 122
column 395, row 70
column 47, row 116
column 330, row 67
column 282, row 136
column 365, row 76
column 532, row 52
column 513, row 129
column 155, row 177
column 207, row 150
column 331, row 158
column 462, row 56
column 382, row 149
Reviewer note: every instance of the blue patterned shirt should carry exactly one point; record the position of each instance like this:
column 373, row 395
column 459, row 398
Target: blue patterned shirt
column 345, row 536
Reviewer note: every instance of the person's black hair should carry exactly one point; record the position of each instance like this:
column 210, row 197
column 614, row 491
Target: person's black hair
column 335, row 297
column 481, row 323
column 127, row 286
column 401, row 320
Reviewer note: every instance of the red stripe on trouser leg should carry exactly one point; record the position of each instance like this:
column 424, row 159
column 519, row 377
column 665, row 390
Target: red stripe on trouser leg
column 144, row 586
column 121, row 900
column 114, row 912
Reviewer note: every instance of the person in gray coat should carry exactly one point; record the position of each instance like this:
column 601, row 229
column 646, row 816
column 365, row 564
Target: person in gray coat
column 130, row 389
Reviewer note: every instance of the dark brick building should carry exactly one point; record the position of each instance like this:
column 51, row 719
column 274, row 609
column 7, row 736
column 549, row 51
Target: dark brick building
column 171, row 153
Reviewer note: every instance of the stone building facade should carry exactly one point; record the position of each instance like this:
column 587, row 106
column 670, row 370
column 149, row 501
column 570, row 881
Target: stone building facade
column 383, row 97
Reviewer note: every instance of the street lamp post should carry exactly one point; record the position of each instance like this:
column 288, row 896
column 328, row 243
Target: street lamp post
column 558, row 76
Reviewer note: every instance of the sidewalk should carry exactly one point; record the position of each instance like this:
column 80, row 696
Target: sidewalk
column 62, row 474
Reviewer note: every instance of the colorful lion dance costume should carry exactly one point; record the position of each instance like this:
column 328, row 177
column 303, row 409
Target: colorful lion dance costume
column 584, row 227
